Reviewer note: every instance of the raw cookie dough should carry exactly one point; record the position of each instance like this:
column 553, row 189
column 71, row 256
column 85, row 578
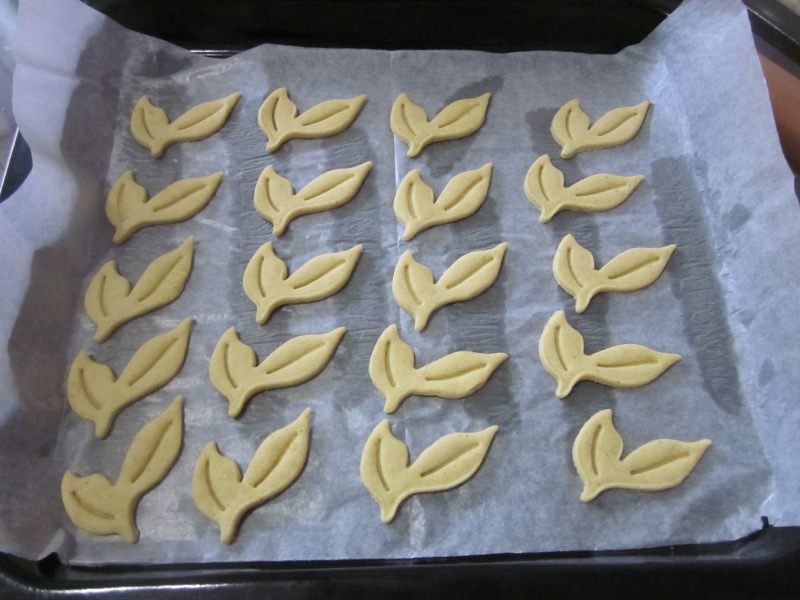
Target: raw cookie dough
column 279, row 120
column 97, row 395
column 152, row 128
column 443, row 465
column 544, row 187
column 657, row 465
column 110, row 301
column 225, row 497
column 461, row 118
column 456, row 375
column 98, row 506
column 269, row 286
column 128, row 209
column 415, row 207
column 472, row 274
column 235, row 372
column 573, row 268
column 276, row 200
column 623, row 366
column 570, row 127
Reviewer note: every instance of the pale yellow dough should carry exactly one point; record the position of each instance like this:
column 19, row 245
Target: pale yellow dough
column 416, row 208
column 110, row 301
column 235, row 372
column 416, row 292
column 573, row 267
column 128, row 209
column 152, row 128
column 269, row 286
column 456, row 375
column 100, row 507
column 279, row 120
column 276, row 200
column 96, row 394
column 443, row 465
column 544, row 187
column 623, row 366
column 657, row 465
column 461, row 118
column 570, row 127
column 224, row 496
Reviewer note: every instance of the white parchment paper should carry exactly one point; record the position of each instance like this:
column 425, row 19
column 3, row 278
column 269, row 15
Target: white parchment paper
column 716, row 185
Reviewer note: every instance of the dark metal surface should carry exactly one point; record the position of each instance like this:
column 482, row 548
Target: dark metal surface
column 500, row 25
column 17, row 168
column 764, row 565
column 777, row 25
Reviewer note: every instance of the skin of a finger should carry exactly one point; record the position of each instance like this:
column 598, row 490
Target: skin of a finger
column 784, row 93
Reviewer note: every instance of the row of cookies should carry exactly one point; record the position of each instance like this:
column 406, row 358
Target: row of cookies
column 386, row 469
column 219, row 489
column 597, row 450
column 93, row 502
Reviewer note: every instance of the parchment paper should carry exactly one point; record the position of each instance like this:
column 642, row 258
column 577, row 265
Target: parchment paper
column 716, row 185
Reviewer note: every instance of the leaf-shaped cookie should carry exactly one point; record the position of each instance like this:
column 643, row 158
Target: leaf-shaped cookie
column 657, row 465
column 225, row 497
column 276, row 200
column 456, row 375
column 129, row 210
column 415, row 207
column 573, row 267
column 415, row 290
column 152, row 128
column 110, row 301
column 235, row 372
column 544, row 187
column 279, row 120
column 97, row 395
column 269, row 286
column 623, row 366
column 461, row 118
column 98, row 506
column 570, row 127
column 443, row 465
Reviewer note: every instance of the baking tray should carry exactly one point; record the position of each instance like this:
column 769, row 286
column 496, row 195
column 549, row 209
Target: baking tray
column 765, row 564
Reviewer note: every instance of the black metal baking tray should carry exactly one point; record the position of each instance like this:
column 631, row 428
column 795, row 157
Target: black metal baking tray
column 765, row 564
